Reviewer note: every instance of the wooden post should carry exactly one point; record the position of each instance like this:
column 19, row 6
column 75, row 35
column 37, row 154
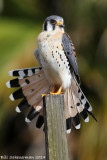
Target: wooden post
column 55, row 128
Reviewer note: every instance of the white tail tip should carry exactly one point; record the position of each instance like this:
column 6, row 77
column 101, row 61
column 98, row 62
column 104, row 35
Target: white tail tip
column 68, row 131
column 8, row 84
column 11, row 73
column 90, row 109
column 38, row 108
column 27, row 120
column 78, row 126
column 18, row 110
column 11, row 97
column 87, row 119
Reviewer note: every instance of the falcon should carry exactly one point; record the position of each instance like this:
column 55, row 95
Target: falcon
column 57, row 74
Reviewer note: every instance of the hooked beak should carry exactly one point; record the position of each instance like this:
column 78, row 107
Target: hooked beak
column 60, row 24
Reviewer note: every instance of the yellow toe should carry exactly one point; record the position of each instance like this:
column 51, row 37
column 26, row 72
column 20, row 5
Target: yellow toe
column 43, row 95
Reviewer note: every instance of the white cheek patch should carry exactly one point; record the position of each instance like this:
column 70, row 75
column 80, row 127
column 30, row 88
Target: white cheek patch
column 62, row 30
column 49, row 27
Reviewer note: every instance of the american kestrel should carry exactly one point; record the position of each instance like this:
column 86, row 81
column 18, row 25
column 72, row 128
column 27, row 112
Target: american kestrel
column 57, row 74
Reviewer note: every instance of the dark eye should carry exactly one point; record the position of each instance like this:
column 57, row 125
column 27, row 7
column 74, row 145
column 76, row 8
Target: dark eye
column 53, row 21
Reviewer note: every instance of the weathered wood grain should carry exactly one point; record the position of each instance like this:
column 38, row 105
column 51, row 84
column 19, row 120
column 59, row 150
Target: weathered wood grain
column 55, row 128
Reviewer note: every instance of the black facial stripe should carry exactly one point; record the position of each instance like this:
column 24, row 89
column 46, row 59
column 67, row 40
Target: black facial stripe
column 53, row 26
column 45, row 26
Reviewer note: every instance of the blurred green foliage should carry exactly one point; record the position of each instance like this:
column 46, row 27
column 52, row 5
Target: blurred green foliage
column 86, row 22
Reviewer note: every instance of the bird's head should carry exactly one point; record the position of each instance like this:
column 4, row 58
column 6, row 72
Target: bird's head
column 53, row 22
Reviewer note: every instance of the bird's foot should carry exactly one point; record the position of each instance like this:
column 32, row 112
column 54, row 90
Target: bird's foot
column 58, row 92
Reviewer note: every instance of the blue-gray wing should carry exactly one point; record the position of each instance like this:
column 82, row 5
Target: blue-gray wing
column 37, row 55
column 70, row 54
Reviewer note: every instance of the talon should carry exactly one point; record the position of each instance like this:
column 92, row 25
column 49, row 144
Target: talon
column 58, row 92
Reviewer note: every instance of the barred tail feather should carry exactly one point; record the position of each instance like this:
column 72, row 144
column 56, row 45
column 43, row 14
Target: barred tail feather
column 21, row 73
column 31, row 115
column 34, row 112
column 71, row 110
column 33, row 84
column 22, row 105
column 25, row 80
column 37, row 98
column 40, row 120
column 77, row 106
column 68, row 125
